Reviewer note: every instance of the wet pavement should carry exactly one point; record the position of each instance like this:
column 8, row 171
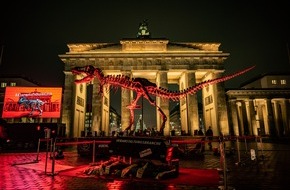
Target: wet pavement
column 270, row 170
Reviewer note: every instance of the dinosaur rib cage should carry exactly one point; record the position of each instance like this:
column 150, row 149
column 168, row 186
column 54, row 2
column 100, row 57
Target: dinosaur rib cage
column 142, row 85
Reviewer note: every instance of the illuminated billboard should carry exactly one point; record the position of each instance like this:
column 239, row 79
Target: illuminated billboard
column 41, row 102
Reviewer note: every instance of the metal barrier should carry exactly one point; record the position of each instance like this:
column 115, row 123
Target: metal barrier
column 223, row 164
column 72, row 143
column 37, row 155
column 254, row 154
column 46, row 155
column 51, row 151
column 51, row 147
column 199, row 145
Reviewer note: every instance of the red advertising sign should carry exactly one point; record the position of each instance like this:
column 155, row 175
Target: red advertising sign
column 43, row 102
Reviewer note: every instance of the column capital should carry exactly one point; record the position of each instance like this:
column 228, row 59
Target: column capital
column 126, row 72
column 191, row 71
column 162, row 71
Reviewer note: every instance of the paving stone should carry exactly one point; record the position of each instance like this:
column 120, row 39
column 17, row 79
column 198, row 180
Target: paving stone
column 269, row 171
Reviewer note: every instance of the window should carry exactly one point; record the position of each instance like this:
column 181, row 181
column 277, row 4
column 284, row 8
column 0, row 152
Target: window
column 274, row 82
column 208, row 100
column 13, row 84
column 3, row 84
column 283, row 81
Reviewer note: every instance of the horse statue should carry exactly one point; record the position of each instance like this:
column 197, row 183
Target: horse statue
column 143, row 32
column 34, row 104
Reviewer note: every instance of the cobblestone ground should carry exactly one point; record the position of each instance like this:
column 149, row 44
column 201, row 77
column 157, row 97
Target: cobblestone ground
column 269, row 171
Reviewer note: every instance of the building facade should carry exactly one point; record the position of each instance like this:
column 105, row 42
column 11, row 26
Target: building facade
column 159, row 61
column 261, row 106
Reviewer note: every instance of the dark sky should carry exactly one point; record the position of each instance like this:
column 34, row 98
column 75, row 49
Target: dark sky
column 33, row 34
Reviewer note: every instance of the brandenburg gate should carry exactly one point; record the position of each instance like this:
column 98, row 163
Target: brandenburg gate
column 161, row 62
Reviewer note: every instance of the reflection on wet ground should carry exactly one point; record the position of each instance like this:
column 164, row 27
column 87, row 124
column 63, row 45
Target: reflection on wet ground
column 270, row 171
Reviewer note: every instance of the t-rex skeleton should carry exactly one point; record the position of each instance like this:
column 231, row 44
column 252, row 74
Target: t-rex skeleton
column 33, row 104
column 144, row 88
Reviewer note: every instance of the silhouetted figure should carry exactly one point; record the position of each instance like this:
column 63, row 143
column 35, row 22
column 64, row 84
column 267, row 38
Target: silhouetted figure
column 59, row 154
column 153, row 132
column 120, row 134
column 200, row 133
column 209, row 135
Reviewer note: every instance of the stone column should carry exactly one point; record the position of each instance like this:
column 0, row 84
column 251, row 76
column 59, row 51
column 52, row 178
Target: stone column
column 234, row 114
column 106, row 111
column 277, row 118
column 287, row 107
column 192, row 106
column 285, row 115
column 270, row 117
column 163, row 103
column 97, row 105
column 261, row 118
column 125, row 101
column 182, row 105
column 245, row 124
column 222, row 113
column 252, row 115
column 68, row 104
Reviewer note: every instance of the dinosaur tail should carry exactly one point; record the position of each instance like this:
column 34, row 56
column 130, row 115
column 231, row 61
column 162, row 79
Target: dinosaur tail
column 165, row 93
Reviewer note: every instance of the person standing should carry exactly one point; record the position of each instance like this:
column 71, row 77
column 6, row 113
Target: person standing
column 209, row 135
column 200, row 133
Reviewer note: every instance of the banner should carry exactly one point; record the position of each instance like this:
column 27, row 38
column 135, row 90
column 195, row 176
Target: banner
column 140, row 147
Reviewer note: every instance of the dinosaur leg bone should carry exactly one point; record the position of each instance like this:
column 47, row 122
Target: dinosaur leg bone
column 164, row 118
column 131, row 107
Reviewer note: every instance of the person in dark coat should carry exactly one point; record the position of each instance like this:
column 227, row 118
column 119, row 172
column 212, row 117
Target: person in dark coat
column 200, row 133
column 209, row 135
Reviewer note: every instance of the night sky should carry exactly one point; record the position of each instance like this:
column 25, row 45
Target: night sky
column 33, row 34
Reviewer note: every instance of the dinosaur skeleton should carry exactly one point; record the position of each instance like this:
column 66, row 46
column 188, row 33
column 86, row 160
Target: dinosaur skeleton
column 32, row 105
column 144, row 87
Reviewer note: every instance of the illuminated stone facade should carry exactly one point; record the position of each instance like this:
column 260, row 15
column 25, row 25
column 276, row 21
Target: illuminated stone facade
column 158, row 60
column 261, row 106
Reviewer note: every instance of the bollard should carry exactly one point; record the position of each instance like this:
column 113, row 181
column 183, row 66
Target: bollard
column 37, row 153
column 223, row 163
column 225, row 168
column 262, row 149
column 246, row 146
column 53, row 160
column 51, row 147
column 257, row 147
column 46, row 155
